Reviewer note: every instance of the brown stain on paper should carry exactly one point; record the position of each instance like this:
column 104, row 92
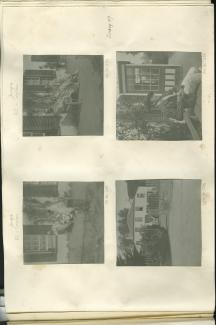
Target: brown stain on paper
column 202, row 146
column 39, row 267
column 205, row 198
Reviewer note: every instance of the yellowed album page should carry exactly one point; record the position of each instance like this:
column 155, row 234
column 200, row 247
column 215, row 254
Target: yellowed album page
column 107, row 146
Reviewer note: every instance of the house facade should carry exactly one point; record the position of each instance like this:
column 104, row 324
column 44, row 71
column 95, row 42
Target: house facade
column 38, row 80
column 41, row 125
column 144, row 212
column 40, row 245
column 144, row 78
column 37, row 91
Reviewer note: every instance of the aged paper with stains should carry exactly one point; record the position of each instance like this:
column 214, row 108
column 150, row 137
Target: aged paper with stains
column 107, row 194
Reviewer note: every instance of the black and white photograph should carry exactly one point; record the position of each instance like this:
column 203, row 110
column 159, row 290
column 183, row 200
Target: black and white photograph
column 158, row 222
column 159, row 96
column 63, row 95
column 63, row 222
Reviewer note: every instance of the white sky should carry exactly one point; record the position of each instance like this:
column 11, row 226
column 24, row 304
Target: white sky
column 139, row 58
column 122, row 196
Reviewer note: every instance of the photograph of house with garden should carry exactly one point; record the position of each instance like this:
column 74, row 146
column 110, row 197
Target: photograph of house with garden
column 63, row 222
column 62, row 95
column 159, row 96
column 158, row 222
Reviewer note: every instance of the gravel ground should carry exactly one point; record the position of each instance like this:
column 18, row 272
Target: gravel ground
column 86, row 240
column 91, row 93
column 185, row 223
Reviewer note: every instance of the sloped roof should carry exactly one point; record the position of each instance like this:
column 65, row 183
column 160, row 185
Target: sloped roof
column 39, row 123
